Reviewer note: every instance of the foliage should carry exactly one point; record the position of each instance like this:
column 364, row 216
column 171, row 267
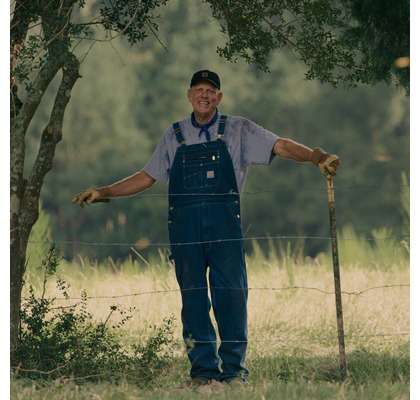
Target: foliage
column 378, row 50
column 130, row 17
column 65, row 341
column 28, row 60
column 346, row 41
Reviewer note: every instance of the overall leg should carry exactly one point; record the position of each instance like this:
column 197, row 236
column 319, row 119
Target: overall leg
column 229, row 290
column 198, row 331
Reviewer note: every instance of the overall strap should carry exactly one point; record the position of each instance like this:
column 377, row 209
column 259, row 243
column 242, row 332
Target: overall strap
column 178, row 133
column 221, row 128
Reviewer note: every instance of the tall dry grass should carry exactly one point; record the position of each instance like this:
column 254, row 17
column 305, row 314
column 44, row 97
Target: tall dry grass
column 297, row 318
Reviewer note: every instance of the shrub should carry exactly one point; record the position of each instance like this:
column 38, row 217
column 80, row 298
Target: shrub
column 65, row 341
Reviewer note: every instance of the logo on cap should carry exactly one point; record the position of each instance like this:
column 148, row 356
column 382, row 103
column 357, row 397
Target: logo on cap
column 204, row 75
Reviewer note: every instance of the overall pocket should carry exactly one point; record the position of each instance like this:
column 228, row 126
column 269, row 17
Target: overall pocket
column 201, row 169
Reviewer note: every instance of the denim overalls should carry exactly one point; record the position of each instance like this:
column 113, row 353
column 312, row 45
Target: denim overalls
column 205, row 233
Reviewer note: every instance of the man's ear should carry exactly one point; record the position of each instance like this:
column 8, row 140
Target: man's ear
column 189, row 94
column 219, row 97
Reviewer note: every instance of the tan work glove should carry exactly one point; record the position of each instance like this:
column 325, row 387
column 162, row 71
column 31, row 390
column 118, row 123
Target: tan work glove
column 91, row 195
column 327, row 163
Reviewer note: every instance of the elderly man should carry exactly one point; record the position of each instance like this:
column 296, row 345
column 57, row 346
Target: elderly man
column 205, row 158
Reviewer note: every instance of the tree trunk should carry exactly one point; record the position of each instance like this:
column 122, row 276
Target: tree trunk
column 25, row 194
column 17, row 269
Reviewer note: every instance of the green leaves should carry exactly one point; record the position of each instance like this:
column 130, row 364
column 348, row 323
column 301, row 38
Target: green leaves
column 30, row 58
column 349, row 42
column 131, row 18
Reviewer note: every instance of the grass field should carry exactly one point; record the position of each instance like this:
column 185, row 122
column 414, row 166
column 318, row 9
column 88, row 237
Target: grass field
column 293, row 351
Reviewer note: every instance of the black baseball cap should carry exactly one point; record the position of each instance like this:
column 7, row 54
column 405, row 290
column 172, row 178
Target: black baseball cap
column 206, row 76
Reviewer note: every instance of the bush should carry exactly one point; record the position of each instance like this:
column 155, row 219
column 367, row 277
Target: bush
column 65, row 341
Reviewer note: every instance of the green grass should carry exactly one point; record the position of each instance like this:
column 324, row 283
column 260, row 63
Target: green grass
column 371, row 376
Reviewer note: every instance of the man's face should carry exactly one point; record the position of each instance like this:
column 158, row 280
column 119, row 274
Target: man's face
column 204, row 98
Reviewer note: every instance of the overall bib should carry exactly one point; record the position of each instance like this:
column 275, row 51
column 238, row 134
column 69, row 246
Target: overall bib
column 205, row 234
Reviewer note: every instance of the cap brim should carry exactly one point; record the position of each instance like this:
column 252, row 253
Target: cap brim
column 205, row 80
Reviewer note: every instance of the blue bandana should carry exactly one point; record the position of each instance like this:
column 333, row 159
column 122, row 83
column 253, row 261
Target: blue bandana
column 204, row 128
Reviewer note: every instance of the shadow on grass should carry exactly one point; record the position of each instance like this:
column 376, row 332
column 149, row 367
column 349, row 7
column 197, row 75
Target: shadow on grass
column 364, row 366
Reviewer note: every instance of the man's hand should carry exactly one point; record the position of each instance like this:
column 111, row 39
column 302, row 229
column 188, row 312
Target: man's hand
column 327, row 163
column 91, row 195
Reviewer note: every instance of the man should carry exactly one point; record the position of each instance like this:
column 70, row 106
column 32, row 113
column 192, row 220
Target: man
column 205, row 159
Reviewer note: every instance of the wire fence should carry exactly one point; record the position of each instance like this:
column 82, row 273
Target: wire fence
column 274, row 289
column 285, row 339
column 163, row 291
column 182, row 342
column 317, row 188
column 281, row 339
column 279, row 236
column 245, row 238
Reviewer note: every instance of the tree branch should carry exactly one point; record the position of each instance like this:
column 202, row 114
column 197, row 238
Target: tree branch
column 279, row 32
column 27, row 110
column 19, row 127
column 51, row 135
column 156, row 35
column 53, row 35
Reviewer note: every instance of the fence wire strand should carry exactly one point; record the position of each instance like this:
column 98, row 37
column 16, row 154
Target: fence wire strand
column 246, row 238
column 163, row 291
column 317, row 188
column 247, row 193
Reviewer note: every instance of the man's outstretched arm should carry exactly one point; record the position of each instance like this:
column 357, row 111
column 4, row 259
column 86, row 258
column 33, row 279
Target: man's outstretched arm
column 133, row 184
column 289, row 149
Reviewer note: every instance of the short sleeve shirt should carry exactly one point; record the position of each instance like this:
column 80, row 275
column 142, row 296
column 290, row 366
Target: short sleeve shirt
column 247, row 143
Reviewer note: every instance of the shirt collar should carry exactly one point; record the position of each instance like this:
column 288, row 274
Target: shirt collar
column 206, row 126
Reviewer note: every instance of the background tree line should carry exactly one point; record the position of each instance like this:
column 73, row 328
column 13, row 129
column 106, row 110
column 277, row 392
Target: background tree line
column 130, row 95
